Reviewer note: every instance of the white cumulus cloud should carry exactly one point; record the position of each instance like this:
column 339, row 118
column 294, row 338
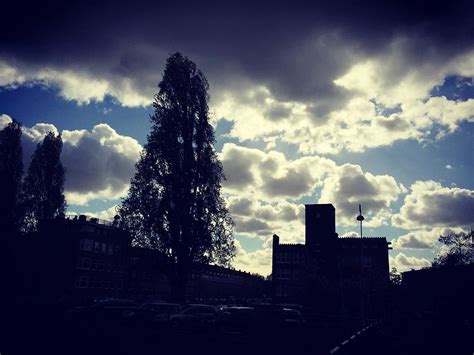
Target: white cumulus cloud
column 405, row 263
column 349, row 186
column 99, row 163
column 430, row 205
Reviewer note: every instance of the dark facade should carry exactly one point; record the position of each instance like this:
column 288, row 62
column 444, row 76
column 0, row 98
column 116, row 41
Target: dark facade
column 69, row 260
column 148, row 279
column 445, row 292
column 73, row 260
column 338, row 275
column 217, row 282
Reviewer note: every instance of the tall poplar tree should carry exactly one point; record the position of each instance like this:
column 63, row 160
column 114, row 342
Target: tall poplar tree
column 174, row 203
column 11, row 171
column 43, row 187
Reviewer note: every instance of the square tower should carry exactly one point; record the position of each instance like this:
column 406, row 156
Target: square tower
column 320, row 223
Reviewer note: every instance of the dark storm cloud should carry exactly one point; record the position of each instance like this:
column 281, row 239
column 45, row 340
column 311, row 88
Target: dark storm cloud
column 295, row 49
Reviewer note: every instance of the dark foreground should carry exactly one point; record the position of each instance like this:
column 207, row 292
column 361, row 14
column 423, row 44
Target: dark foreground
column 51, row 332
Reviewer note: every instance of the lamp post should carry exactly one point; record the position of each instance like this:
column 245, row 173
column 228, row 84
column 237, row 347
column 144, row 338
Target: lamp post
column 360, row 218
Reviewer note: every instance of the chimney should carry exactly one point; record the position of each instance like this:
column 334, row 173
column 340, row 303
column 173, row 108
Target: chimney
column 276, row 240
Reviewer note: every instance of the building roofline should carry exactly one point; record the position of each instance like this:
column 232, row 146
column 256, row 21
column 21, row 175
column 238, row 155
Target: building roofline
column 320, row 204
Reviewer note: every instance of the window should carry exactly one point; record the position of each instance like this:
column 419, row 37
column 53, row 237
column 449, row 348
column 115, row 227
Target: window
column 84, row 263
column 104, row 248
column 87, row 228
column 82, row 282
column 367, row 261
column 281, row 291
column 298, row 258
column 111, row 249
column 86, row 244
column 283, row 274
column 96, row 246
column 94, row 265
column 286, row 258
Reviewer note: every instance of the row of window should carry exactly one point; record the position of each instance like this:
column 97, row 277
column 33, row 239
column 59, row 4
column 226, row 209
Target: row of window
column 367, row 261
column 282, row 291
column 283, row 274
column 216, row 273
column 357, row 246
column 98, row 247
column 84, row 281
column 288, row 257
column 95, row 265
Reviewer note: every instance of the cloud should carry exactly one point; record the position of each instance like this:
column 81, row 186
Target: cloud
column 416, row 240
column 405, row 263
column 422, row 238
column 264, row 181
column 349, row 186
column 258, row 218
column 318, row 86
column 99, row 163
column 449, row 167
column 105, row 215
column 4, row 120
column 258, row 261
column 350, row 234
column 375, row 112
column 430, row 205
column 251, row 226
column 31, row 135
column 270, row 175
column 74, row 85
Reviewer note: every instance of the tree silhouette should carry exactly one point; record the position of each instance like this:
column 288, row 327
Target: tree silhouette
column 174, row 203
column 459, row 250
column 11, row 171
column 42, row 196
column 395, row 277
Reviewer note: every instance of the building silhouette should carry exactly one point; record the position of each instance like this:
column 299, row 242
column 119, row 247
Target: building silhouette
column 68, row 260
column 74, row 260
column 335, row 275
column 446, row 292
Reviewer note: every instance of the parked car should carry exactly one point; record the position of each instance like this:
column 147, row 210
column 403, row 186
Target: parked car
column 292, row 318
column 153, row 312
column 195, row 315
column 238, row 319
column 110, row 310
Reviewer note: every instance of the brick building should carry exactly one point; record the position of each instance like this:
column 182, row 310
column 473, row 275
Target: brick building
column 335, row 274
column 71, row 260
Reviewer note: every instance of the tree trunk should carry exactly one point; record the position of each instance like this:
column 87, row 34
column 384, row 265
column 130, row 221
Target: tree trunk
column 178, row 283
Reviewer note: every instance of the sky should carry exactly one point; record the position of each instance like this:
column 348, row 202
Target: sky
column 328, row 102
